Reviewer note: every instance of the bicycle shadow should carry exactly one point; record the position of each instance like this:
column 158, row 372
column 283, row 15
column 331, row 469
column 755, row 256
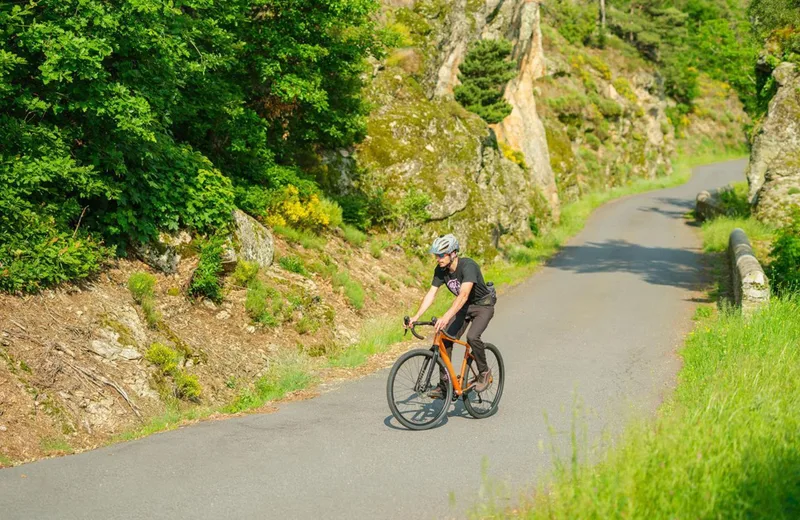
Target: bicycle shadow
column 457, row 411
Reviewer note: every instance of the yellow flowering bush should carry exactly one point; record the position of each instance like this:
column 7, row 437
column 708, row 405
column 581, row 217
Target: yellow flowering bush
column 291, row 208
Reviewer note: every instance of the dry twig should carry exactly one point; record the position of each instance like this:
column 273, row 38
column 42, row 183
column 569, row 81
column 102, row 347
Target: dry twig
column 100, row 379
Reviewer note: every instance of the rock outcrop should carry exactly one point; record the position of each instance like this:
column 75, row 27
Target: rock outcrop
column 523, row 130
column 774, row 169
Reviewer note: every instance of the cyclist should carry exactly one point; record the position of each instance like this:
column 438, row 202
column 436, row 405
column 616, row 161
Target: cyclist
column 474, row 303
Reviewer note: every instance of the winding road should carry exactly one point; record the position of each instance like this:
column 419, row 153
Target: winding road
column 596, row 330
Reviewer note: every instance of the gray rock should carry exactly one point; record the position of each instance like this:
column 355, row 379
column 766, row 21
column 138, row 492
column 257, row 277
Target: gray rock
column 164, row 253
column 104, row 349
column 252, row 241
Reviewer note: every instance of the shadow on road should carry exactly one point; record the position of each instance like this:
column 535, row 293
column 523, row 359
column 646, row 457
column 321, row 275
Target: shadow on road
column 677, row 208
column 457, row 410
column 655, row 265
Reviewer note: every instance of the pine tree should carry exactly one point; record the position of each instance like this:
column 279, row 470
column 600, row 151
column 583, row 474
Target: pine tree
column 484, row 74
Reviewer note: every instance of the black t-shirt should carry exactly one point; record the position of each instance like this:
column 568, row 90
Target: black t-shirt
column 466, row 271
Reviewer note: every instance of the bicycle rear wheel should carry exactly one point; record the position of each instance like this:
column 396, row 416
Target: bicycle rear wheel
column 483, row 404
column 410, row 381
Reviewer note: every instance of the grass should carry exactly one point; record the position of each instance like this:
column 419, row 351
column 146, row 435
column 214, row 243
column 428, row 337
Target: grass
column 294, row 264
column 724, row 446
column 352, row 289
column 306, row 239
column 354, row 236
column 141, row 287
column 5, row 461
column 284, row 375
column 175, row 416
column 717, row 231
column 54, row 445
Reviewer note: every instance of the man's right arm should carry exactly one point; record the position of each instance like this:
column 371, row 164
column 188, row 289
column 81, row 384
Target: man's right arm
column 427, row 301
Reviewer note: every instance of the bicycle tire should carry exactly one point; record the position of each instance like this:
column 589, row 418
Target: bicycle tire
column 484, row 404
column 419, row 412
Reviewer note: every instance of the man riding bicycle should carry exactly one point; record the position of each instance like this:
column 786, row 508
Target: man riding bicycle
column 474, row 303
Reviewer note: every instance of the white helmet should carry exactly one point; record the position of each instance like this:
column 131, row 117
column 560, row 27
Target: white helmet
column 444, row 245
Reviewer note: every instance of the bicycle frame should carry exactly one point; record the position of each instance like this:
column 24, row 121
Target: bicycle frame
column 456, row 379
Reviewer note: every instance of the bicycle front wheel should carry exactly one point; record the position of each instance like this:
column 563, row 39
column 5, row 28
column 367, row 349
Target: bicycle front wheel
column 483, row 404
column 412, row 378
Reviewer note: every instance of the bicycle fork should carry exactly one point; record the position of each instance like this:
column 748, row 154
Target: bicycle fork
column 424, row 378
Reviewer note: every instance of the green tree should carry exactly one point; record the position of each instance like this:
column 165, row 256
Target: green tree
column 124, row 118
column 484, row 74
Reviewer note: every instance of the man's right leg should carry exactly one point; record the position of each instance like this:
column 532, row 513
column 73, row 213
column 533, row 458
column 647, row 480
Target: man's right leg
column 454, row 329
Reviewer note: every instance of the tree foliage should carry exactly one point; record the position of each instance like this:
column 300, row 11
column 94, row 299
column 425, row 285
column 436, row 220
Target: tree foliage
column 685, row 37
column 483, row 75
column 126, row 117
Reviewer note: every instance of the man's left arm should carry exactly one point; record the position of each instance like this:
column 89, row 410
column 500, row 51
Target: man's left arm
column 460, row 301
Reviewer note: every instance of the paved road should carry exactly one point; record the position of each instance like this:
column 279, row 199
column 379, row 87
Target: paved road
column 598, row 326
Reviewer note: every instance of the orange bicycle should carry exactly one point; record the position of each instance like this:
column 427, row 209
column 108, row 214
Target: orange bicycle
column 419, row 371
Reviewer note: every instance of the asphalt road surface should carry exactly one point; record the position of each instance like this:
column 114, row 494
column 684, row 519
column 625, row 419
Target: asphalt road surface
column 589, row 342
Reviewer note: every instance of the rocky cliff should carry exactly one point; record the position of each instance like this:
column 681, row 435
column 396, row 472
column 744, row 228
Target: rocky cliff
column 583, row 119
column 774, row 170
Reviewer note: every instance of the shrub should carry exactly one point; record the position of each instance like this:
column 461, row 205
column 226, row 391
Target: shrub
column 206, row 278
column 334, row 212
column 623, row 87
column 245, row 272
column 263, row 304
column 165, row 358
column 376, row 248
column 483, row 75
column 784, row 270
column 513, row 155
column 293, row 264
column 608, row 107
column 305, row 211
column 575, row 22
column 35, row 255
column 186, row 386
column 141, row 286
column 413, row 207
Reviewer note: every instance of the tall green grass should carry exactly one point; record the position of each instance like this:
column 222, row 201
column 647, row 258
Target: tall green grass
column 727, row 444
column 716, row 232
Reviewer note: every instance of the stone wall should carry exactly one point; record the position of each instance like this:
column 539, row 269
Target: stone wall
column 750, row 284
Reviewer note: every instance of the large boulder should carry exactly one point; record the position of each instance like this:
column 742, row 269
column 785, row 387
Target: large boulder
column 774, row 169
column 251, row 240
